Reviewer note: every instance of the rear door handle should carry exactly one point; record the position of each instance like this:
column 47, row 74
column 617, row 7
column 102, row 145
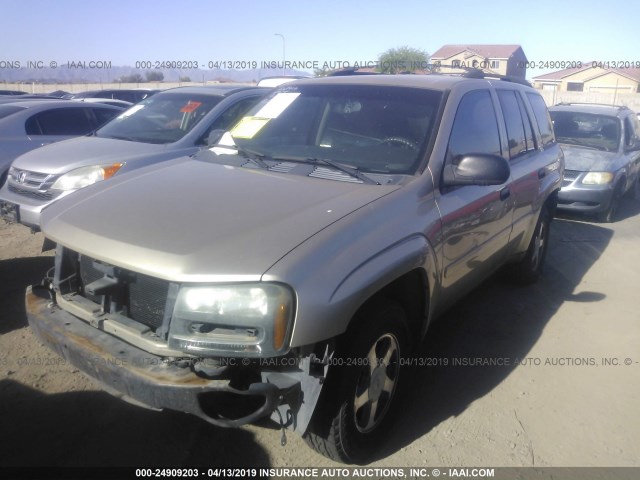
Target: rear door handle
column 505, row 193
column 542, row 173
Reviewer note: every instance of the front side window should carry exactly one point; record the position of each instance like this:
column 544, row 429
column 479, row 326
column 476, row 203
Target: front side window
column 230, row 117
column 373, row 129
column 164, row 118
column 631, row 130
column 475, row 128
column 103, row 115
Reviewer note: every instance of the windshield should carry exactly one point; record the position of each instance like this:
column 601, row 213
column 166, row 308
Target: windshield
column 371, row 129
column 589, row 130
column 162, row 118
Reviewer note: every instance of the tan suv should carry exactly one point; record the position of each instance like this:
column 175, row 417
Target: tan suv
column 288, row 270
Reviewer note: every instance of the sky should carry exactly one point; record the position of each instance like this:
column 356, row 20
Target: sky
column 327, row 32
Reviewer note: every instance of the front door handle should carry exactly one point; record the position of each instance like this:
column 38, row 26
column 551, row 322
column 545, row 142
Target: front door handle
column 542, row 173
column 505, row 193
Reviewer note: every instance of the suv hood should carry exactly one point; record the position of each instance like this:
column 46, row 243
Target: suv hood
column 586, row 159
column 64, row 156
column 196, row 221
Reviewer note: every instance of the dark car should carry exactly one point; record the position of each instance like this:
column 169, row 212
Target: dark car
column 601, row 145
column 128, row 95
column 12, row 92
column 29, row 124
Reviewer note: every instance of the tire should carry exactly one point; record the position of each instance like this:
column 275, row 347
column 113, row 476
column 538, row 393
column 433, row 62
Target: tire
column 353, row 416
column 610, row 215
column 633, row 192
column 530, row 268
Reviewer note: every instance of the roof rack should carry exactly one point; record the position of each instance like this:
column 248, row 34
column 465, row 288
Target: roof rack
column 350, row 71
column 474, row 72
column 592, row 104
column 434, row 68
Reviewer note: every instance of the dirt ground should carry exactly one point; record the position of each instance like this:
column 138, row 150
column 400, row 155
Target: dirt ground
column 547, row 375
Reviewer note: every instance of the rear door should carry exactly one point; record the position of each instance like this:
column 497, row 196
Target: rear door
column 536, row 173
column 528, row 164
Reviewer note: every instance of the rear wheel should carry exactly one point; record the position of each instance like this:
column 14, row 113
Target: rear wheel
column 530, row 268
column 352, row 420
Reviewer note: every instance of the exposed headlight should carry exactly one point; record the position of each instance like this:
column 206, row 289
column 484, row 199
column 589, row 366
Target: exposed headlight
column 85, row 176
column 248, row 320
column 597, row 178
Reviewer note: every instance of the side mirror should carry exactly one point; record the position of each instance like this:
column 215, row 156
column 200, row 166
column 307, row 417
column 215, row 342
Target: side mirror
column 634, row 147
column 476, row 169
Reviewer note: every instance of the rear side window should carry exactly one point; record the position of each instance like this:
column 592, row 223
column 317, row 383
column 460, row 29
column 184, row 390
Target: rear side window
column 475, row 128
column 513, row 121
column 528, row 129
column 59, row 121
column 519, row 131
column 542, row 118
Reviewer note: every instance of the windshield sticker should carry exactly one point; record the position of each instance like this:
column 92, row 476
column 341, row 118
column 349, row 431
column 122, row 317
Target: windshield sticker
column 248, row 127
column 190, row 107
column 277, row 105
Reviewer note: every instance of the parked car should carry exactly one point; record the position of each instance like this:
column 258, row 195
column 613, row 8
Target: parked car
column 12, row 92
column 601, row 144
column 128, row 95
column 276, row 81
column 29, row 124
column 23, row 98
column 106, row 101
column 170, row 124
column 289, row 274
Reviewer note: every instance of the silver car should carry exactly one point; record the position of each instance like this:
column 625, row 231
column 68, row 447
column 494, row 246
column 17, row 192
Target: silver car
column 287, row 271
column 601, row 145
column 29, row 124
column 167, row 125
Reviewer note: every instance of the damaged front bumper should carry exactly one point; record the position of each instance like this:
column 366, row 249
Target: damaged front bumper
column 236, row 397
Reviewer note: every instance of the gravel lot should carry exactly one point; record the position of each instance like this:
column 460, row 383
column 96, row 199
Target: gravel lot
column 560, row 395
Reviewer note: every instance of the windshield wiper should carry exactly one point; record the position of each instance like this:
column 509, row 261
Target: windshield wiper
column 259, row 160
column 120, row 137
column 352, row 171
column 577, row 143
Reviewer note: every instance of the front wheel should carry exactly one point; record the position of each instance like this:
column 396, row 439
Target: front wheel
column 610, row 215
column 353, row 418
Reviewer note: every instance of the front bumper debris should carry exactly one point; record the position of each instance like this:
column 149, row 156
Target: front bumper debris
column 153, row 381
